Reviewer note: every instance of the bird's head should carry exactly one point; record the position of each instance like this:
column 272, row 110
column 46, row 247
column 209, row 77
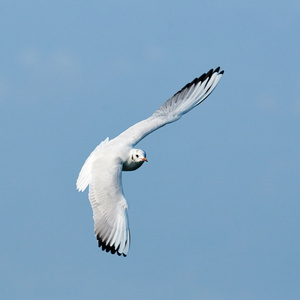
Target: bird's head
column 136, row 158
column 138, row 155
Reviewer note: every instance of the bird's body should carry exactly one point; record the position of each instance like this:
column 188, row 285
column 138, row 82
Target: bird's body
column 102, row 170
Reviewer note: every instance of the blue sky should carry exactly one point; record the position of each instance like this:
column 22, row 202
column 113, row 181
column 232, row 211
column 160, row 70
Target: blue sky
column 215, row 212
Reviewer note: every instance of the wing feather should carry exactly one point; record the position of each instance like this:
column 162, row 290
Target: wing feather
column 84, row 177
column 182, row 102
column 108, row 203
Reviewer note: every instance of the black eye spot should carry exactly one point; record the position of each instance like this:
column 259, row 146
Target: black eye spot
column 136, row 155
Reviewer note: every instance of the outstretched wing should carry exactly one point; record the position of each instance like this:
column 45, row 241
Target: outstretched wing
column 183, row 101
column 107, row 201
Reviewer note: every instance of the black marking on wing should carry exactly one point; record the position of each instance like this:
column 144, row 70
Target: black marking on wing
column 105, row 247
column 202, row 78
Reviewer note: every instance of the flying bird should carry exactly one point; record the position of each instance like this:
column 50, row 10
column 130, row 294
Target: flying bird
column 102, row 170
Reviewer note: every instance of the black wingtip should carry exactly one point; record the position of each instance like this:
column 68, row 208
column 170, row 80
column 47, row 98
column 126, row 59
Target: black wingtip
column 218, row 71
column 202, row 78
column 209, row 73
column 104, row 247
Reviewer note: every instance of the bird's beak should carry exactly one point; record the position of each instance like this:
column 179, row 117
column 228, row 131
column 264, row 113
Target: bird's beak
column 144, row 159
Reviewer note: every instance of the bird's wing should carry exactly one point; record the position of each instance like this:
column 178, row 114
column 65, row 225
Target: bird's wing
column 108, row 202
column 183, row 101
column 85, row 174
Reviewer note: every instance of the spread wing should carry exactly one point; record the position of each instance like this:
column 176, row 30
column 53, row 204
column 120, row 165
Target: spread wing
column 183, row 101
column 103, row 174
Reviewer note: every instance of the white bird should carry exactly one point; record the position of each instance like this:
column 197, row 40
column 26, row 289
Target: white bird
column 102, row 170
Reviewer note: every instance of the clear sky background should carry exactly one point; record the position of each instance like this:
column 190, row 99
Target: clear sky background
column 215, row 213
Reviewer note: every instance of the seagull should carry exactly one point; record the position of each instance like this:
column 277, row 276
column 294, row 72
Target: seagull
column 102, row 171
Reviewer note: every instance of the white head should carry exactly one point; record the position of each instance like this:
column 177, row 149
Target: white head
column 136, row 158
column 138, row 155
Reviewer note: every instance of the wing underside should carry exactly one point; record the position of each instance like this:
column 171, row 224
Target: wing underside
column 183, row 101
column 109, row 204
